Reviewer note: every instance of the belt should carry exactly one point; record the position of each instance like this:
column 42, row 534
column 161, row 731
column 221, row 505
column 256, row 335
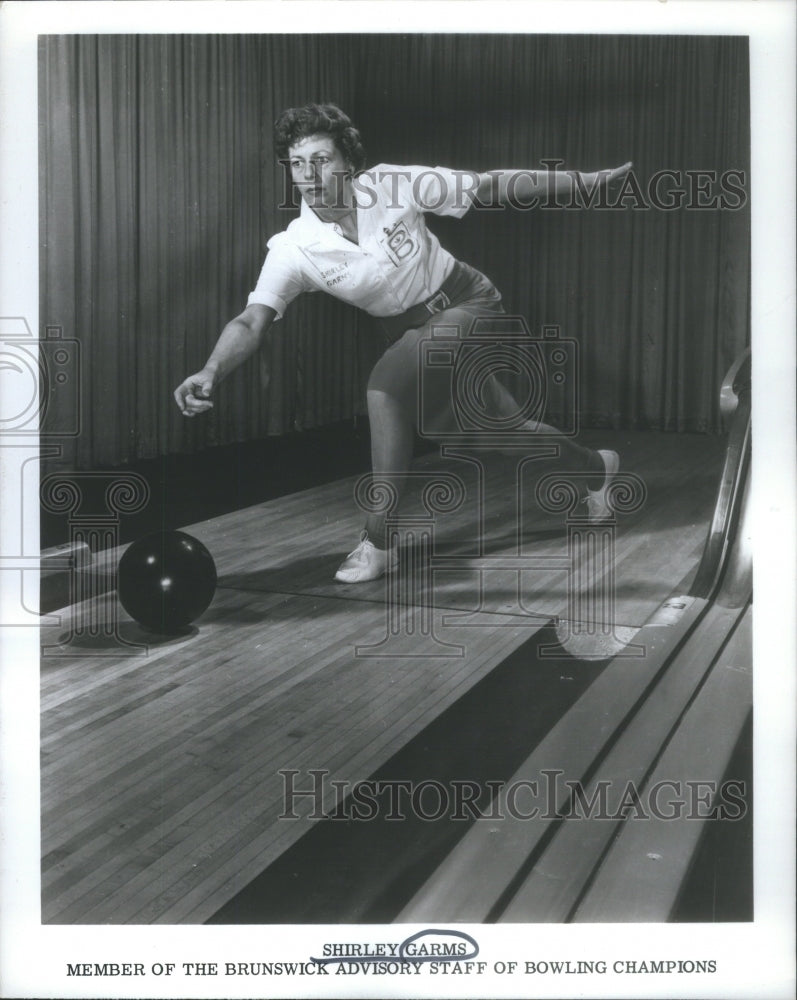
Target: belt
column 418, row 315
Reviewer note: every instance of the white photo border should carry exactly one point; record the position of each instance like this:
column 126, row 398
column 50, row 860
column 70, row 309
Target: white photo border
column 753, row 959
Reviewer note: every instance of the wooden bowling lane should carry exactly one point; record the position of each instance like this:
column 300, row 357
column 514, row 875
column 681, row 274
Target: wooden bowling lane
column 294, row 545
column 161, row 789
column 351, row 869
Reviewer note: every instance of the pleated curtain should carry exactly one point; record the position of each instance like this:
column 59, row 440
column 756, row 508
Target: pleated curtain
column 159, row 190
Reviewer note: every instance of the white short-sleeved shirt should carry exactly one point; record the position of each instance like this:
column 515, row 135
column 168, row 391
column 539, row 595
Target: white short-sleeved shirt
column 397, row 262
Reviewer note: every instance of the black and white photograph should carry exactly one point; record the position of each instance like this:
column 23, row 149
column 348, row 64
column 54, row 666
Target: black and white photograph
column 396, row 413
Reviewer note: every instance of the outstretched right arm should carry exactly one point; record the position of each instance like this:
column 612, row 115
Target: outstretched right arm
column 239, row 340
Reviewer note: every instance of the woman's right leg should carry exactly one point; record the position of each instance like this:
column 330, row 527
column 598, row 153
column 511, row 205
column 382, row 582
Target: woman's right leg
column 392, row 440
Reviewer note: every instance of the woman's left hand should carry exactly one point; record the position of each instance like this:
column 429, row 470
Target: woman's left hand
column 618, row 173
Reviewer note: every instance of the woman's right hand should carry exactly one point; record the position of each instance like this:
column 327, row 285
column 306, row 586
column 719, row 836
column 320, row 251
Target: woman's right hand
column 239, row 340
column 193, row 395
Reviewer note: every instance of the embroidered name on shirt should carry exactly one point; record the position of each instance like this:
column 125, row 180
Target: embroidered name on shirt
column 333, row 274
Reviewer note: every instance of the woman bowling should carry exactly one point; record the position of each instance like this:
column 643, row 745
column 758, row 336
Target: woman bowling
column 361, row 237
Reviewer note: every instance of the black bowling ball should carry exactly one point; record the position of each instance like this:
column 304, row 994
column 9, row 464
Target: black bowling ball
column 166, row 581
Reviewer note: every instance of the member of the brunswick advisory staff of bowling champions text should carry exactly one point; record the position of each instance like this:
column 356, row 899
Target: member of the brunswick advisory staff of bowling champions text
column 361, row 237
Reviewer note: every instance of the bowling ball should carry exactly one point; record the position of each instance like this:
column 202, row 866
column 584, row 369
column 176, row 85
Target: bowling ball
column 166, row 580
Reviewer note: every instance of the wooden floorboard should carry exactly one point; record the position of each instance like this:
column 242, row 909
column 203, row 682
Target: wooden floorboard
column 160, row 783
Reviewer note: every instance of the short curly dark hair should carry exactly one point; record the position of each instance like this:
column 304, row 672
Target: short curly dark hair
column 295, row 124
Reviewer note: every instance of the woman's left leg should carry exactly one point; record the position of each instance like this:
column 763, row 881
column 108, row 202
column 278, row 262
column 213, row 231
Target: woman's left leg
column 573, row 457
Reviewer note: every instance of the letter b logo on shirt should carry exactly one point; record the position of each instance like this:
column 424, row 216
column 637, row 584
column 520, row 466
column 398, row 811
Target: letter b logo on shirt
column 399, row 245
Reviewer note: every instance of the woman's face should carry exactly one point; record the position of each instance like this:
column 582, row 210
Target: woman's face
column 319, row 170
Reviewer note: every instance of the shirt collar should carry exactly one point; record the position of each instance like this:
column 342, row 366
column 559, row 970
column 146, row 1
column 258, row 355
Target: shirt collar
column 307, row 213
column 312, row 223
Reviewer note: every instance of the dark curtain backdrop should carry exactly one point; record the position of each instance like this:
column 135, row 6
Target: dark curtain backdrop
column 159, row 191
